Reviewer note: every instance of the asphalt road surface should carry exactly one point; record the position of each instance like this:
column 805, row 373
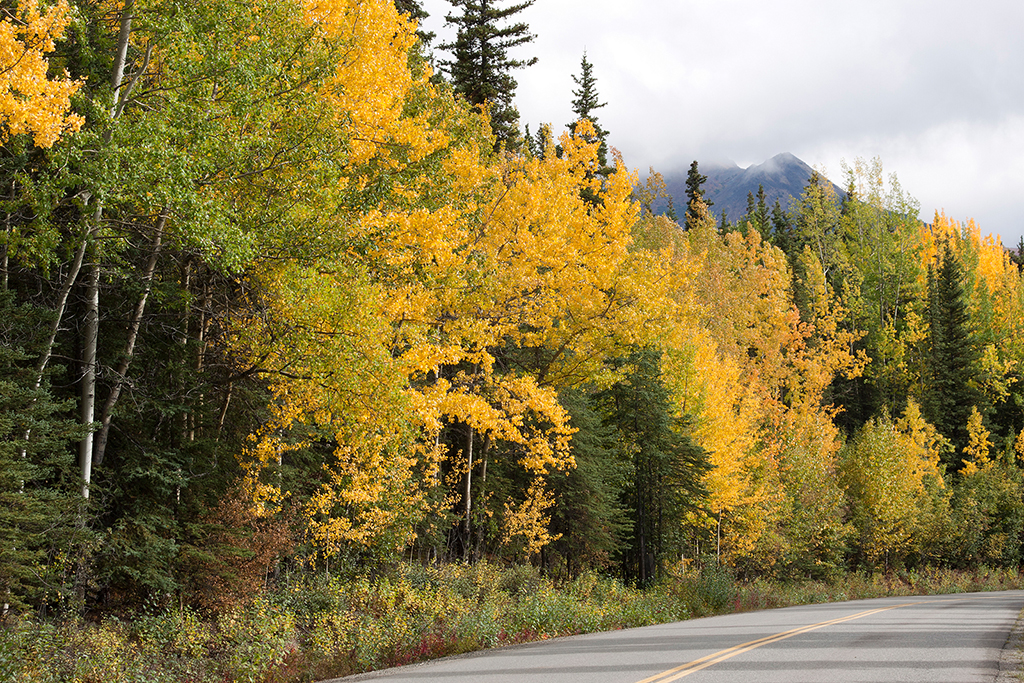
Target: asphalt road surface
column 938, row 639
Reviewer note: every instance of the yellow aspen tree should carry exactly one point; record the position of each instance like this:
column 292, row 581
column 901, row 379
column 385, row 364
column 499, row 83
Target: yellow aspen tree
column 883, row 477
column 31, row 102
column 462, row 257
column 530, row 520
column 977, row 449
column 321, row 329
column 772, row 444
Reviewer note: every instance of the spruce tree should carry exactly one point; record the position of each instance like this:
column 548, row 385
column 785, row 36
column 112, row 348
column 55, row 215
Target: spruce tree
column 39, row 493
column 584, row 104
column 670, row 212
column 952, row 361
column 664, row 465
column 761, row 212
column 694, row 191
column 757, row 212
column 480, row 68
column 751, row 208
column 589, row 517
column 782, row 230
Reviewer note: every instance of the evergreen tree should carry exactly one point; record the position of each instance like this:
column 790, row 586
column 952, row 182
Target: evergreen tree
column 664, row 465
column 761, row 216
column 757, row 212
column 480, row 68
column 751, row 207
column 694, row 192
column 670, row 212
column 584, row 104
column 782, row 230
column 39, row 493
column 589, row 517
column 952, row 359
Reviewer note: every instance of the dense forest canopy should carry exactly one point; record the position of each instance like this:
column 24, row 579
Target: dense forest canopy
column 274, row 294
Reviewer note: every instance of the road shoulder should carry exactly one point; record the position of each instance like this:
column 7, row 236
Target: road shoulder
column 1011, row 660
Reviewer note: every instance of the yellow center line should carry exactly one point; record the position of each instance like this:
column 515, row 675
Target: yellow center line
column 721, row 656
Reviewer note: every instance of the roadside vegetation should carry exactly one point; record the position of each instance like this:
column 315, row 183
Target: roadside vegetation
column 323, row 627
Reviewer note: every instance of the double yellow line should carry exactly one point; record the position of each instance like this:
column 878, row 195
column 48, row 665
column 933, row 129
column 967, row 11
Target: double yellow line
column 721, row 656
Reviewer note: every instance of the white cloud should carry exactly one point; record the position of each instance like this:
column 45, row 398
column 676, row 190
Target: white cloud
column 933, row 87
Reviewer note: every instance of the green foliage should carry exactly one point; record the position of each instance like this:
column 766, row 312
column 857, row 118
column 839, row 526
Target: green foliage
column 817, row 227
column 883, row 285
column 38, row 487
column 950, row 382
column 709, row 588
column 987, row 511
column 664, row 465
column 757, row 217
column 896, row 497
column 589, row 517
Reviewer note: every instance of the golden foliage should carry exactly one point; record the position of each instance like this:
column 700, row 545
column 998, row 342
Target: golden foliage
column 31, row 103
column 977, row 449
column 466, row 260
column 530, row 519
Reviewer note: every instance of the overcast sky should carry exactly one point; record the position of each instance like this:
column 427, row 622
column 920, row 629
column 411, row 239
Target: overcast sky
column 934, row 88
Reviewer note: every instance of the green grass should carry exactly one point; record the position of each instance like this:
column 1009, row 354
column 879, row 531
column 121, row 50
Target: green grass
column 320, row 628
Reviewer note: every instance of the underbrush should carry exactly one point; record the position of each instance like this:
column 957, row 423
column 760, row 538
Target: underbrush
column 321, row 628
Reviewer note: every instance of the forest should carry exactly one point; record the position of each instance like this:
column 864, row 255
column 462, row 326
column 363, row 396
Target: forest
column 285, row 296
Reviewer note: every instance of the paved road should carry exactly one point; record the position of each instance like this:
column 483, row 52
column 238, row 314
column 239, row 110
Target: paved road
column 940, row 639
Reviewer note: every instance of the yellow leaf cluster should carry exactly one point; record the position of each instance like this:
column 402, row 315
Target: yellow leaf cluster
column 372, row 83
column 977, row 449
column 530, row 519
column 465, row 260
column 31, row 103
column 753, row 376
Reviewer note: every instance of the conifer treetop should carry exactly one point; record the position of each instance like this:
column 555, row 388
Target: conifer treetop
column 480, row 67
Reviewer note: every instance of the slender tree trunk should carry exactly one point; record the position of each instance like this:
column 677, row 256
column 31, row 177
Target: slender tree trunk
column 468, row 544
column 87, row 407
column 62, row 302
column 5, row 263
column 202, row 335
column 134, row 324
column 641, row 526
column 224, row 410
column 91, row 329
column 718, row 539
column 117, row 74
column 483, row 492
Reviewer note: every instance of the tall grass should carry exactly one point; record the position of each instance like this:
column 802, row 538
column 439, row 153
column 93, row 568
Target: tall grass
column 321, row 628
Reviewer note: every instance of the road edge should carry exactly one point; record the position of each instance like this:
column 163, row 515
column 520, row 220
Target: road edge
column 1011, row 659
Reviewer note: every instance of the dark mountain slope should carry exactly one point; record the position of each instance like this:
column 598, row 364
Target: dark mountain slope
column 783, row 177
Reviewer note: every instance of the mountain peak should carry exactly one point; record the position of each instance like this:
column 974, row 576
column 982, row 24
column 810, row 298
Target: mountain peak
column 783, row 177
